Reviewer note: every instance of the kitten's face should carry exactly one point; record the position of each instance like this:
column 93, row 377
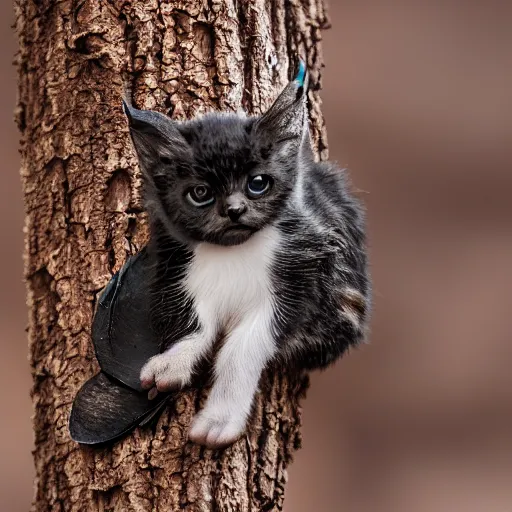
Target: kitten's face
column 230, row 185
column 222, row 177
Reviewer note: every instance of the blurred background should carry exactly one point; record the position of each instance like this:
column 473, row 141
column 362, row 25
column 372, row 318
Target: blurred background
column 417, row 97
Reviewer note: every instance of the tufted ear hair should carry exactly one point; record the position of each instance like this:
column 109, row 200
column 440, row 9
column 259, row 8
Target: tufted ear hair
column 156, row 138
column 287, row 118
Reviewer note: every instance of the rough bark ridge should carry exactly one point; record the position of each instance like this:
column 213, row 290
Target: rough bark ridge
column 83, row 217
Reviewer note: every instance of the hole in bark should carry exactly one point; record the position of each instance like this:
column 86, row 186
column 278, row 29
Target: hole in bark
column 41, row 283
column 89, row 43
column 204, row 38
column 111, row 498
column 131, row 228
column 119, row 191
column 134, row 210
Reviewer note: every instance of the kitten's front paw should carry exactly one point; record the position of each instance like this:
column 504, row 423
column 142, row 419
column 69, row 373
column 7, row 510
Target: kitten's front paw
column 165, row 372
column 216, row 431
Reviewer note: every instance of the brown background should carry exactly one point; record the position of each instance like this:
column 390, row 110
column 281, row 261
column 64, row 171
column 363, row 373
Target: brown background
column 419, row 105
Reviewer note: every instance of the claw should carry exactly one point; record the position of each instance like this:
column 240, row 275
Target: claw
column 152, row 394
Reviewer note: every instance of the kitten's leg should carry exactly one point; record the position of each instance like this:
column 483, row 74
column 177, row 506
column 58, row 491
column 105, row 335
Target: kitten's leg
column 174, row 368
column 247, row 350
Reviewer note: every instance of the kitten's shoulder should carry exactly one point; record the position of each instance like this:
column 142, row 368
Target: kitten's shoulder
column 329, row 200
column 326, row 181
column 328, row 175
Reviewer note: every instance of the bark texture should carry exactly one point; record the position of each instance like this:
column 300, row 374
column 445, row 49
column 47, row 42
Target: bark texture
column 84, row 217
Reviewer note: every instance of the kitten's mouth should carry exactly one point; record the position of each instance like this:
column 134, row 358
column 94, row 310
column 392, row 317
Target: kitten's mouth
column 236, row 234
column 239, row 227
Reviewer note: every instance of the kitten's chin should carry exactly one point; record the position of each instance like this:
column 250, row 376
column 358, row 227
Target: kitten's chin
column 234, row 236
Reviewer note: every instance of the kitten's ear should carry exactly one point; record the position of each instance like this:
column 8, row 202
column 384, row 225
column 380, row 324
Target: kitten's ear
column 287, row 118
column 155, row 137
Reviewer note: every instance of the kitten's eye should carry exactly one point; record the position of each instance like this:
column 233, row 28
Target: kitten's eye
column 200, row 195
column 258, row 185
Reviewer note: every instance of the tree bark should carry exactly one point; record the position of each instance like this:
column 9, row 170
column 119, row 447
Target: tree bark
column 84, row 217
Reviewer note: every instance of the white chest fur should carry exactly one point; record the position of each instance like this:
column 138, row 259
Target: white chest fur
column 229, row 282
column 232, row 292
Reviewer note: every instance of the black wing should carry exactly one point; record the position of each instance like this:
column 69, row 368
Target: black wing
column 113, row 403
column 121, row 330
column 104, row 410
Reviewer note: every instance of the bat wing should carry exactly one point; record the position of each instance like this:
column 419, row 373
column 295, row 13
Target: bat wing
column 112, row 403
column 105, row 410
column 121, row 330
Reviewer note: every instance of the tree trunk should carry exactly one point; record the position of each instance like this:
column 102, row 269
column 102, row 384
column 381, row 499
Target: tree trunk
column 84, row 217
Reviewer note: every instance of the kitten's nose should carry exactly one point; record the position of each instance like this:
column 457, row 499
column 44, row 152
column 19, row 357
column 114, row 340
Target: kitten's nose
column 235, row 211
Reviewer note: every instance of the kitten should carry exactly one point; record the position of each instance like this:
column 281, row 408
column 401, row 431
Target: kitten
column 257, row 247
